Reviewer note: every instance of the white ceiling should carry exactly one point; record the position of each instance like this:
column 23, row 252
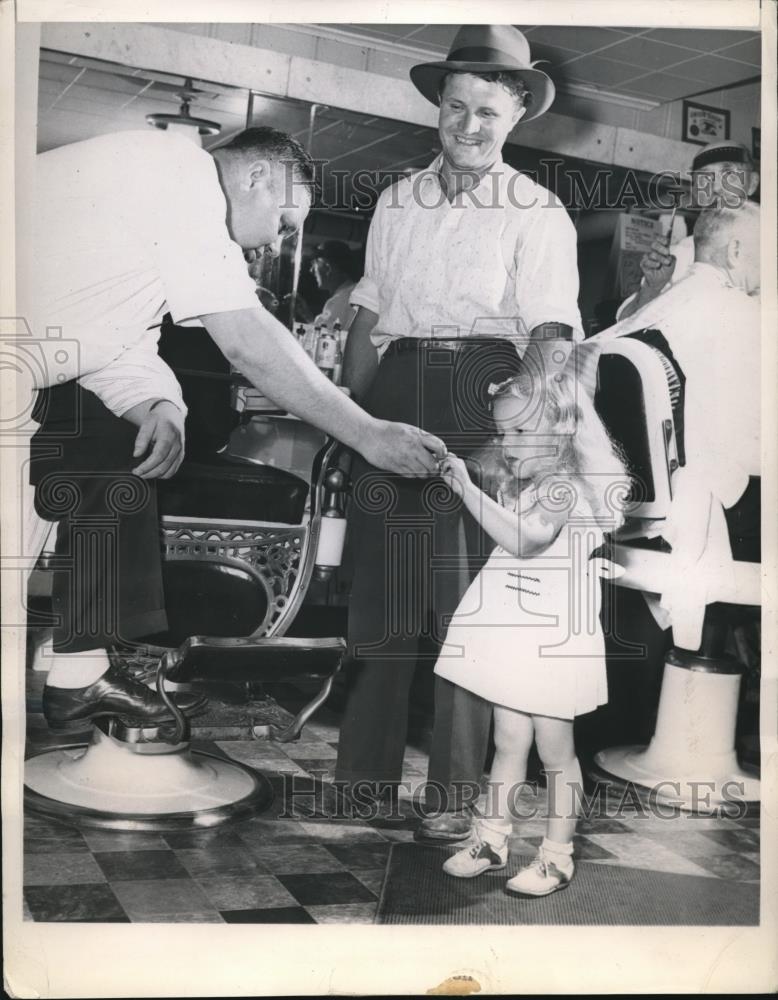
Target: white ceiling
column 80, row 98
column 660, row 64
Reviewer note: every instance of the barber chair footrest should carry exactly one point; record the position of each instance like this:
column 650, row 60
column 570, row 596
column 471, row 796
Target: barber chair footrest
column 262, row 660
column 286, row 733
column 249, row 660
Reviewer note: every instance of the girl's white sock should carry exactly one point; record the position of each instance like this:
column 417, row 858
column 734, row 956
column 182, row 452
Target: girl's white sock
column 77, row 670
column 494, row 832
column 560, row 854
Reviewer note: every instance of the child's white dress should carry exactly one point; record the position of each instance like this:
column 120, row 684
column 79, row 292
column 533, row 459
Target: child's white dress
column 527, row 632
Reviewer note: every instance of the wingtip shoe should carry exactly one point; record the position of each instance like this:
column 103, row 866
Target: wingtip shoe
column 115, row 693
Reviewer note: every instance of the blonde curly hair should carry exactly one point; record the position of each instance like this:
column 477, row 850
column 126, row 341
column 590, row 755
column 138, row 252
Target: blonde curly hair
column 587, row 458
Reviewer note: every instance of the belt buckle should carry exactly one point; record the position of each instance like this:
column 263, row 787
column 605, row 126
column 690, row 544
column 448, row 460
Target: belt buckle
column 446, row 343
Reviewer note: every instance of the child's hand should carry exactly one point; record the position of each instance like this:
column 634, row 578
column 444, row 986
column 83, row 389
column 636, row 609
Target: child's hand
column 454, row 473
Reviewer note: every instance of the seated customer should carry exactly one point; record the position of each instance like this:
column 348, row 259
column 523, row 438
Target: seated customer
column 713, row 329
column 723, row 176
column 711, row 321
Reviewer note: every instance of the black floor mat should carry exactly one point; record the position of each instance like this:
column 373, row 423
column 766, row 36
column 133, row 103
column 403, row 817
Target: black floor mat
column 417, row 891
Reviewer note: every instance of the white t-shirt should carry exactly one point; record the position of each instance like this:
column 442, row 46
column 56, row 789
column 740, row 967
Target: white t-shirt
column 129, row 226
column 713, row 330
column 497, row 261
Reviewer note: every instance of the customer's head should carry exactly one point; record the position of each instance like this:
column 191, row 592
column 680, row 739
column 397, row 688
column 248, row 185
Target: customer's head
column 723, row 174
column 728, row 238
column 268, row 180
column 333, row 264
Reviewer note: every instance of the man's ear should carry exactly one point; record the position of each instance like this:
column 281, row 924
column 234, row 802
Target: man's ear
column 518, row 115
column 753, row 182
column 734, row 251
column 257, row 173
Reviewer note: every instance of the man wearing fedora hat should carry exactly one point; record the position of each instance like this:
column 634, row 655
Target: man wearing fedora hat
column 467, row 263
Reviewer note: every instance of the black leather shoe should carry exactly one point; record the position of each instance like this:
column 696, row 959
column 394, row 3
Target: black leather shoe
column 448, row 828
column 69, row 709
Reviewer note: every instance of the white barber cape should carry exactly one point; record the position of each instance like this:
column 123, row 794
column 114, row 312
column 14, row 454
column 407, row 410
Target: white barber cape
column 713, row 330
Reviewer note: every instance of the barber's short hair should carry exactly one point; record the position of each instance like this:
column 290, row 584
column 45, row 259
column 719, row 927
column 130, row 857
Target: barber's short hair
column 268, row 143
column 715, row 227
column 512, row 82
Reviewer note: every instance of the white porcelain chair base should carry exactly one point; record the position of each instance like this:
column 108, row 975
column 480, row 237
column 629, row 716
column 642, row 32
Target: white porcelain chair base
column 691, row 760
column 692, row 793
column 113, row 784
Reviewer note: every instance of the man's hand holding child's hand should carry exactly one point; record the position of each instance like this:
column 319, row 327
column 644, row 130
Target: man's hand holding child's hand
column 454, row 473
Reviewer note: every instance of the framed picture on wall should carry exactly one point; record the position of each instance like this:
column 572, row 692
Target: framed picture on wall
column 702, row 124
column 756, row 144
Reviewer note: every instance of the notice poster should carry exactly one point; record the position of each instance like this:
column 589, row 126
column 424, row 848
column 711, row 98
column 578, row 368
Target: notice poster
column 633, row 237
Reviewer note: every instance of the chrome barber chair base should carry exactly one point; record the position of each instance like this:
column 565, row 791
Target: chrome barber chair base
column 114, row 784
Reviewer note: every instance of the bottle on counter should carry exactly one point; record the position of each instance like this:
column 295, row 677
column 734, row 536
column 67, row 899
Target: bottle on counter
column 340, row 335
column 337, row 373
column 327, row 349
column 311, row 337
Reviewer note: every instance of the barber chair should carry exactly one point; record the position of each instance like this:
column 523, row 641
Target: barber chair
column 690, row 762
column 242, row 539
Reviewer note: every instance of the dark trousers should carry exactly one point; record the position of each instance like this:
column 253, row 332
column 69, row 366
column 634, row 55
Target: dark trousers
column 107, row 587
column 414, row 550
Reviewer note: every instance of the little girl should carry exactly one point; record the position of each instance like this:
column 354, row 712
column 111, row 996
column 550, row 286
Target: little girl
column 526, row 635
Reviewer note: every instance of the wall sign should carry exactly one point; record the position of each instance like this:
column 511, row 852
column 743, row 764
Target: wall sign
column 702, row 124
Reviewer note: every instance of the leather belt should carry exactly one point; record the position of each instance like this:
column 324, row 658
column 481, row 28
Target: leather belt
column 408, row 345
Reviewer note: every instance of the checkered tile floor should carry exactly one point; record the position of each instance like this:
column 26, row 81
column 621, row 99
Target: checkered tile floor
column 296, row 864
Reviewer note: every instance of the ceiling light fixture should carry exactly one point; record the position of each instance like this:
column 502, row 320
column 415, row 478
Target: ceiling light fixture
column 187, row 95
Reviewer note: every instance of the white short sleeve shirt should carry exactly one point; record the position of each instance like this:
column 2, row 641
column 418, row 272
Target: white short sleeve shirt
column 496, row 261
column 129, row 226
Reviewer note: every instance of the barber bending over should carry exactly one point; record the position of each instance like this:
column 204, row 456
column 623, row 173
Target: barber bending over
column 128, row 227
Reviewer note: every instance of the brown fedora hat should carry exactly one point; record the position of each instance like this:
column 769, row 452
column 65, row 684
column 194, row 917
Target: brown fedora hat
column 488, row 48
